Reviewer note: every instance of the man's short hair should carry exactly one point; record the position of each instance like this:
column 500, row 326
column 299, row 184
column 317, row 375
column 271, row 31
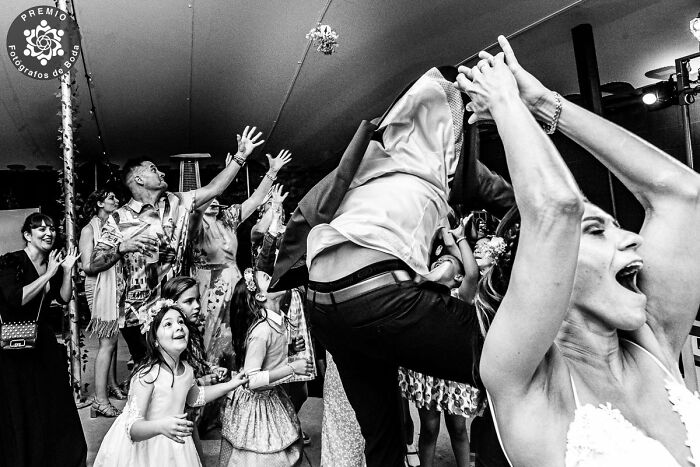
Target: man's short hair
column 131, row 165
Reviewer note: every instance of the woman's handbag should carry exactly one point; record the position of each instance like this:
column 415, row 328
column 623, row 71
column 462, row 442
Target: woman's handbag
column 20, row 335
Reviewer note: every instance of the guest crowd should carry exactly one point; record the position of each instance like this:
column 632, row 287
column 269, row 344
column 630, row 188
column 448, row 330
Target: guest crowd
column 410, row 274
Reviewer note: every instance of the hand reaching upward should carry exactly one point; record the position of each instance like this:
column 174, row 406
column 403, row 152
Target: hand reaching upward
column 282, row 159
column 248, row 141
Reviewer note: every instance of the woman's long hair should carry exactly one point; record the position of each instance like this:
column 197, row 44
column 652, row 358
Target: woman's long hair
column 153, row 356
column 493, row 285
column 90, row 208
column 246, row 313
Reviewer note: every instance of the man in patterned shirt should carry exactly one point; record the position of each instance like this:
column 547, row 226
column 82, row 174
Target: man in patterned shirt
column 146, row 237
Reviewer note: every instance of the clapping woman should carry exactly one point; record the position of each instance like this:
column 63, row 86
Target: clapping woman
column 39, row 423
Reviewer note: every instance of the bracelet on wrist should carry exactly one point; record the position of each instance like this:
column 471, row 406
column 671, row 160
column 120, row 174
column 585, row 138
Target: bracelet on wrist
column 291, row 368
column 551, row 127
column 238, row 159
column 272, row 179
column 459, row 240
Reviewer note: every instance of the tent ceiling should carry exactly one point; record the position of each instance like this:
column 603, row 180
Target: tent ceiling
column 173, row 76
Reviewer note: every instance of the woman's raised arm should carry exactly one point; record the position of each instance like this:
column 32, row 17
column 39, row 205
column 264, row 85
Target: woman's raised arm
column 668, row 191
column 550, row 206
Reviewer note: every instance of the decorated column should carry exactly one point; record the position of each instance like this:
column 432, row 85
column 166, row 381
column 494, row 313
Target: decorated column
column 69, row 204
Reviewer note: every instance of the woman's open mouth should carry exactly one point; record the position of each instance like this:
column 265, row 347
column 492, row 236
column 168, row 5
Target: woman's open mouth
column 627, row 276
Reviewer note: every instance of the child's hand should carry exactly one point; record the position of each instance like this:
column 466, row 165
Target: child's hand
column 238, row 379
column 299, row 344
column 176, row 427
column 220, row 372
column 302, row 367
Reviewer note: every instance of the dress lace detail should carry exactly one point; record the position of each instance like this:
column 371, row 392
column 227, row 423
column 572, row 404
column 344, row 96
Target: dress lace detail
column 602, row 437
column 131, row 415
column 687, row 406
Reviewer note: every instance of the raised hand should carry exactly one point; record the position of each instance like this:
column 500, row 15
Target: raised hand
column 282, row 159
column 449, row 242
column 69, row 260
column 276, row 195
column 176, row 427
column 489, row 83
column 532, row 91
column 55, row 260
column 248, row 141
column 458, row 232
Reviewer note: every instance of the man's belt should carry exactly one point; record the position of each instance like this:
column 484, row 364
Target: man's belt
column 359, row 289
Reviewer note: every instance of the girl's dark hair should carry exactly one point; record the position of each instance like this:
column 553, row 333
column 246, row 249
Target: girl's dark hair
column 153, row 356
column 493, row 285
column 246, row 313
column 35, row 220
column 90, row 208
column 177, row 286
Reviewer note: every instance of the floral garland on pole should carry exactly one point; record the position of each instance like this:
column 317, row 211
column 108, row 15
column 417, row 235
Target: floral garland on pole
column 324, row 38
column 75, row 341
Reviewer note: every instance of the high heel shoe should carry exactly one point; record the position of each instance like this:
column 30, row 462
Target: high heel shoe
column 115, row 392
column 104, row 410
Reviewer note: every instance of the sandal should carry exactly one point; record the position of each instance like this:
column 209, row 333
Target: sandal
column 115, row 392
column 412, row 459
column 104, row 410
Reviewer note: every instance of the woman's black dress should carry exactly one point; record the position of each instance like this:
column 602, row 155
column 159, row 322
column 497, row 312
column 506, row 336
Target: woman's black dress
column 39, row 423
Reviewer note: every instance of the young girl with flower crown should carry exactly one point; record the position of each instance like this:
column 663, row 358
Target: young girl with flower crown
column 260, row 426
column 153, row 429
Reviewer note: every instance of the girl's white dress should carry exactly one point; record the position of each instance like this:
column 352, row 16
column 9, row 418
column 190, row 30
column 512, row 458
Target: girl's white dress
column 151, row 397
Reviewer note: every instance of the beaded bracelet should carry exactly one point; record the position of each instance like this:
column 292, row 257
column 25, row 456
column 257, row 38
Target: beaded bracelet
column 552, row 127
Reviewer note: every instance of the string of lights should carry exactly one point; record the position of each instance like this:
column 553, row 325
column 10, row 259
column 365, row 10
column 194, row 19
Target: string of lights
column 90, row 83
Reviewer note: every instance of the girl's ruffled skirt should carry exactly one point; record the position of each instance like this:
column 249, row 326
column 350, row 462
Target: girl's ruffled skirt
column 260, row 428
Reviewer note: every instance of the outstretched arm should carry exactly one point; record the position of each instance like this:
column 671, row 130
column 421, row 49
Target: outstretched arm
column 247, row 142
column 256, row 199
column 201, row 395
column 668, row 191
column 550, row 206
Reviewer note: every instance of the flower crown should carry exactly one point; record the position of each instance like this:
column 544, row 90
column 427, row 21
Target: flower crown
column 146, row 315
column 496, row 247
column 250, row 280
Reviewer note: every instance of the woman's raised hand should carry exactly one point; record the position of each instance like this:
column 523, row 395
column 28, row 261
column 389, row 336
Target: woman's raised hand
column 489, row 83
column 282, row 159
column 69, row 260
column 248, row 141
column 532, row 91
column 55, row 260
column 176, row 427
